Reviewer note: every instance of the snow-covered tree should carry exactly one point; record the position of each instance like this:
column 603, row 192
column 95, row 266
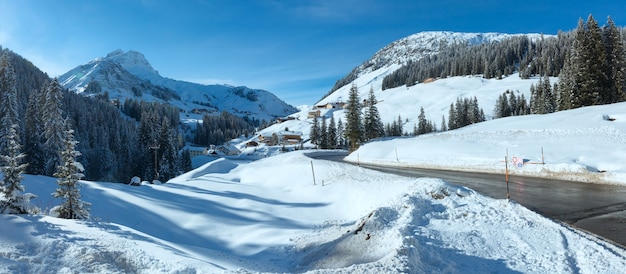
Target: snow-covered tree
column 452, row 114
column 169, row 165
column 8, row 104
column 68, row 174
column 615, row 63
column 14, row 201
column 33, row 133
column 423, row 125
column 11, row 156
column 54, row 126
column 341, row 139
column 186, row 161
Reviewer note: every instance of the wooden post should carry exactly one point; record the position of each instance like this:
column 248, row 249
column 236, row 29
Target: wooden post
column 542, row 157
column 313, row 171
column 397, row 155
column 506, row 172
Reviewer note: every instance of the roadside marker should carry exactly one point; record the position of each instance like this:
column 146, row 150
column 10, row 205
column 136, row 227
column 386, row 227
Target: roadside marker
column 506, row 172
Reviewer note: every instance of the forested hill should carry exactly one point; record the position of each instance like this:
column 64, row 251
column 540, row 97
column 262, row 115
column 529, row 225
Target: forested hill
column 112, row 145
column 425, row 55
column 417, row 46
column 460, row 79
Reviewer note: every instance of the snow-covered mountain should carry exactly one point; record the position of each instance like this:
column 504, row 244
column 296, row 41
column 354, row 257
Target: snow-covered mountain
column 417, row 46
column 435, row 97
column 125, row 75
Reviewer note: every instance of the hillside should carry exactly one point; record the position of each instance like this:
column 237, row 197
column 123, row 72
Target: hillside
column 124, row 75
column 434, row 96
column 417, row 46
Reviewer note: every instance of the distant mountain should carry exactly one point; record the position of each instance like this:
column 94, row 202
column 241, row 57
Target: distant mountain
column 123, row 75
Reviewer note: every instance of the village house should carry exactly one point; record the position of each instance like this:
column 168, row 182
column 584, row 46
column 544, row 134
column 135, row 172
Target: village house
column 198, row 151
column 289, row 137
column 228, row 150
column 314, row 114
column 281, row 138
column 284, row 119
column 337, row 105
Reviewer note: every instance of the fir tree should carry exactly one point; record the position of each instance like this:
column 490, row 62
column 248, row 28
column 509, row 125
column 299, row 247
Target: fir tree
column 14, row 200
column 396, row 127
column 549, row 100
column 11, row 157
column 422, row 123
column 68, row 174
column 452, row 118
column 332, row 133
column 615, row 64
column 8, row 105
column 373, row 124
column 513, row 104
column 168, row 163
column 34, row 141
column 149, row 129
column 595, row 56
column 323, row 134
column 341, row 140
column 586, row 64
column 314, row 134
column 53, row 126
column 567, row 83
column 186, row 161
column 354, row 127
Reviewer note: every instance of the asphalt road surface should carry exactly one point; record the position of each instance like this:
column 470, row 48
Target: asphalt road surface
column 596, row 208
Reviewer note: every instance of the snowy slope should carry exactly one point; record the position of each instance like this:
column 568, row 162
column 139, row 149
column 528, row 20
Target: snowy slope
column 434, row 97
column 269, row 216
column 129, row 75
column 580, row 144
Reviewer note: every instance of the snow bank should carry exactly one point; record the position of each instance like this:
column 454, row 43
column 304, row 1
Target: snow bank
column 575, row 145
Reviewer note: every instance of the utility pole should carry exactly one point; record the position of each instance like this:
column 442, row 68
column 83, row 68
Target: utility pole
column 156, row 166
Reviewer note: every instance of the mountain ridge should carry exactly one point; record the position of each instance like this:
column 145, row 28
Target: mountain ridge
column 125, row 75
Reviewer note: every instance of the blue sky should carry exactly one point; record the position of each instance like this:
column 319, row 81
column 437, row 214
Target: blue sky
column 295, row 49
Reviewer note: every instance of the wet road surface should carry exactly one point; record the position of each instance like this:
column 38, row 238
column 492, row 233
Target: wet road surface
column 597, row 208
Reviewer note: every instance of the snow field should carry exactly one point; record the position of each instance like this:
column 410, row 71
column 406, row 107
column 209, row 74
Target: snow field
column 268, row 216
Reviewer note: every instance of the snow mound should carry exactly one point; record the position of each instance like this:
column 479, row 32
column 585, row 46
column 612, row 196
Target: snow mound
column 220, row 165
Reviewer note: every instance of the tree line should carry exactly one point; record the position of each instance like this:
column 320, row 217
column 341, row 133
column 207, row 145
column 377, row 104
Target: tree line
column 58, row 150
column 593, row 73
